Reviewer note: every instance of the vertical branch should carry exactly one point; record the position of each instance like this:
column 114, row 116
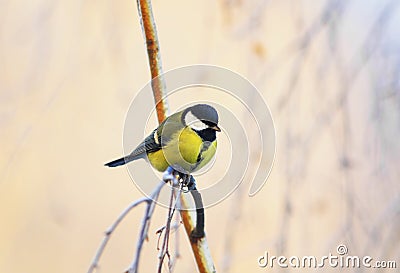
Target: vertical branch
column 176, row 254
column 153, row 52
column 200, row 247
column 164, row 248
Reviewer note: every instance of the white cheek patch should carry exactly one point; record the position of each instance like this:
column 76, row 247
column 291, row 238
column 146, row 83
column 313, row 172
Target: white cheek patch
column 194, row 122
column 198, row 125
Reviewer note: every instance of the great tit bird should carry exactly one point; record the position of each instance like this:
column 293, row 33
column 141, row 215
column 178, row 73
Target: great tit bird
column 186, row 141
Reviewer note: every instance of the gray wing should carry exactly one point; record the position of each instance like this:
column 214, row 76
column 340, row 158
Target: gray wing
column 152, row 143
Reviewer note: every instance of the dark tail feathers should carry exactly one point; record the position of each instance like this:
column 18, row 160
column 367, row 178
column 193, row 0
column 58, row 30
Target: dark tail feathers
column 119, row 162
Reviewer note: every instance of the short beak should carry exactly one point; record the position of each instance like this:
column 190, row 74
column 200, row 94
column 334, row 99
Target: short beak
column 216, row 128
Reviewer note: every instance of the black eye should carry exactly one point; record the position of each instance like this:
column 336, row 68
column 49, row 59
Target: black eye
column 208, row 123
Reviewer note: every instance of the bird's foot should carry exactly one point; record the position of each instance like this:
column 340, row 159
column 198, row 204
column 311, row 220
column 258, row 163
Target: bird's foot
column 184, row 179
column 197, row 235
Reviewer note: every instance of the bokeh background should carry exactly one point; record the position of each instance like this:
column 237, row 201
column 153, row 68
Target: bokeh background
column 329, row 70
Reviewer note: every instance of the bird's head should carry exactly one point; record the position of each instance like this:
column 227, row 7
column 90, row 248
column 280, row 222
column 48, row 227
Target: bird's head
column 203, row 119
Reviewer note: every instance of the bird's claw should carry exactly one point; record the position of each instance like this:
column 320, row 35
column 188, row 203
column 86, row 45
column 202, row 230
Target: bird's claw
column 196, row 235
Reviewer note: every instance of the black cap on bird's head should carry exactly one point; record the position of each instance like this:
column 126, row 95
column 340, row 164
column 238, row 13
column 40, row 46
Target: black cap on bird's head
column 200, row 117
column 204, row 112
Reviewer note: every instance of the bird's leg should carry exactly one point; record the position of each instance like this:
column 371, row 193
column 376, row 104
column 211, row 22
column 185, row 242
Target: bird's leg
column 188, row 181
column 183, row 178
column 198, row 232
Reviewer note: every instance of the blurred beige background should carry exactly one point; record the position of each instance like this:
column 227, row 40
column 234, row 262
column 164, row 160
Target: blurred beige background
column 329, row 70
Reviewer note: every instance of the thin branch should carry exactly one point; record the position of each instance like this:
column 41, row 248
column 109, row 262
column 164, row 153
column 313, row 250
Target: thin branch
column 200, row 247
column 154, row 56
column 145, row 227
column 149, row 200
column 175, row 227
column 164, row 249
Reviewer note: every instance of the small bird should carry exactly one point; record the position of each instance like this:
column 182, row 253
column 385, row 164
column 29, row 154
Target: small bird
column 186, row 141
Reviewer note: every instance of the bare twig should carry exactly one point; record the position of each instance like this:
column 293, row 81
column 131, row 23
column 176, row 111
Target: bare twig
column 164, row 249
column 145, row 227
column 149, row 200
column 175, row 227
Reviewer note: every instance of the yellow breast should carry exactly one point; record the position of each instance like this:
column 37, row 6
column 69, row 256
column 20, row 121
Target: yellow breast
column 183, row 152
